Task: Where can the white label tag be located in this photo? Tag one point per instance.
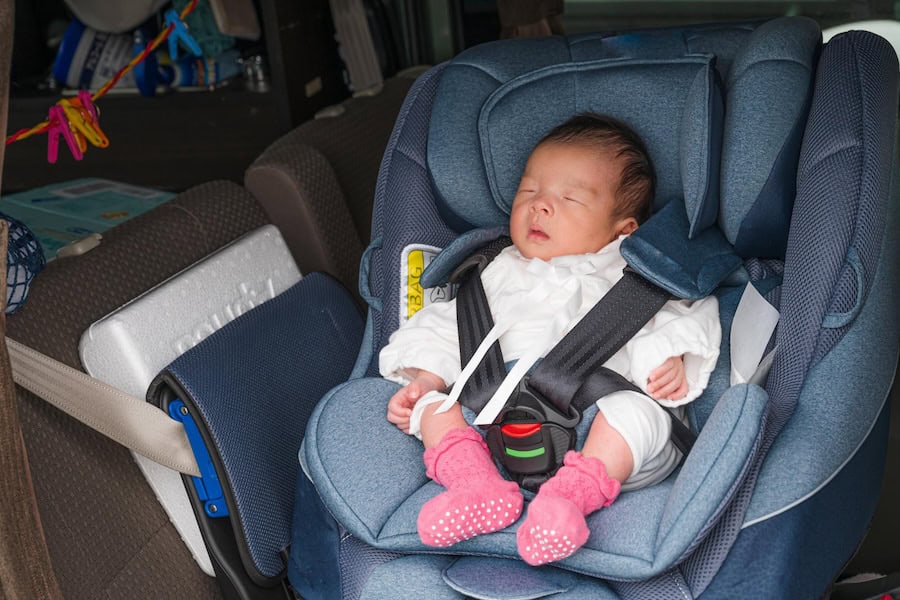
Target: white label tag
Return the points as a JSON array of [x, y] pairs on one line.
[[754, 321], [413, 297]]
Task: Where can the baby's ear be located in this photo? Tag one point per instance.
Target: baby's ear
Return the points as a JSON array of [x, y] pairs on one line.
[[626, 226]]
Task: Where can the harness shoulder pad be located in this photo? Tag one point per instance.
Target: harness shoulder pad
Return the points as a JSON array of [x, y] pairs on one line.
[[480, 259]]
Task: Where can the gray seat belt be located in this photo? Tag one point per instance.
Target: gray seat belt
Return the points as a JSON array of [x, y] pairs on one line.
[[128, 420]]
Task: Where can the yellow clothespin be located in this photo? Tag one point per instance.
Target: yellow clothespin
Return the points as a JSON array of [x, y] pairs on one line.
[[76, 123], [83, 117]]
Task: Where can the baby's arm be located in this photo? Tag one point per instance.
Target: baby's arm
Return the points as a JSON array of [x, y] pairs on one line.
[[682, 340], [668, 380], [401, 404]]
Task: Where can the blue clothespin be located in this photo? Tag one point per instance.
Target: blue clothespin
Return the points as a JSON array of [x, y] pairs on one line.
[[180, 32], [59, 124]]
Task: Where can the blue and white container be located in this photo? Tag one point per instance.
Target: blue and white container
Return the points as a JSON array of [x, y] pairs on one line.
[[87, 59]]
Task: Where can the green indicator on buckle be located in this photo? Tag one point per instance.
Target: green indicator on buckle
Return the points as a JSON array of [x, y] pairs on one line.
[[525, 453]]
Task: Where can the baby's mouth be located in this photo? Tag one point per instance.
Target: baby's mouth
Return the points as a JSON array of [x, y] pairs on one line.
[[537, 234]]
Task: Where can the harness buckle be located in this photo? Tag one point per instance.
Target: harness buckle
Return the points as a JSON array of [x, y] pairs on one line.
[[531, 436]]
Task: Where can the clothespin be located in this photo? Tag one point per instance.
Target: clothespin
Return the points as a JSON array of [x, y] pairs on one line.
[[59, 124], [82, 124], [84, 98], [85, 119], [75, 119], [180, 32]]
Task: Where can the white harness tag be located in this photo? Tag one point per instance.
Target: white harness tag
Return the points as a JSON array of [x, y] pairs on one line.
[[754, 321]]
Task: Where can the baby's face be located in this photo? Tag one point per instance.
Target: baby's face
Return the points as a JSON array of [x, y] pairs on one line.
[[565, 203]]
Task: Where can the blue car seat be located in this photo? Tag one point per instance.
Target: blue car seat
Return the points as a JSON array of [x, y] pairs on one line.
[[775, 158]]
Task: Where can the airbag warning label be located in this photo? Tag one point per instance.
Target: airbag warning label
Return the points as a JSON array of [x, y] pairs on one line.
[[413, 297]]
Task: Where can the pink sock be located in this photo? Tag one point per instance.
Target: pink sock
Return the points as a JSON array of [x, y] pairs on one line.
[[478, 500], [555, 527]]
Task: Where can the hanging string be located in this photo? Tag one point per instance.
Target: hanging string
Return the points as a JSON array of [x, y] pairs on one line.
[[153, 45]]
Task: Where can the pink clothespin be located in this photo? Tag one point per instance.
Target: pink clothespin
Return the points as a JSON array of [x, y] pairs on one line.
[[180, 32], [59, 124], [84, 97]]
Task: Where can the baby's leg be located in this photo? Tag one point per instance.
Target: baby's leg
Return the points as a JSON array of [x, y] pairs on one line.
[[478, 500], [607, 445]]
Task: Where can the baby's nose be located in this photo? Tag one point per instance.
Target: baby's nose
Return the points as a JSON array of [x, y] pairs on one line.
[[542, 204]]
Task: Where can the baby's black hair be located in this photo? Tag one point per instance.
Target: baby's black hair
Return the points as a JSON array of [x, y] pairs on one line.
[[605, 133]]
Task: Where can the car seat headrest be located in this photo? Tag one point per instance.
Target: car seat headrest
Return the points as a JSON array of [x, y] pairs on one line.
[[768, 93], [736, 170], [489, 113]]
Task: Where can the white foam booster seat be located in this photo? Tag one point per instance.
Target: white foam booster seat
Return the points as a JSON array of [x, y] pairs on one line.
[[238, 347]]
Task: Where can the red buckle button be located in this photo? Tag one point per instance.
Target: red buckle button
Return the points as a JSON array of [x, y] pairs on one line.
[[520, 429]]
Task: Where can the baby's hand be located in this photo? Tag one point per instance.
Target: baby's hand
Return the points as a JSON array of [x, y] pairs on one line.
[[667, 381], [401, 404]]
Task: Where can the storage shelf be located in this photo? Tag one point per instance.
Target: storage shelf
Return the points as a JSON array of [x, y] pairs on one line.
[[167, 142], [184, 138]]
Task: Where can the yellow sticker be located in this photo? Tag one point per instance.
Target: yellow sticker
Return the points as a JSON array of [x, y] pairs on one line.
[[413, 297], [415, 300]]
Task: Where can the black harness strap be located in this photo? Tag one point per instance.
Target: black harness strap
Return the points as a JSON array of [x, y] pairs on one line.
[[614, 320], [474, 322], [571, 376]]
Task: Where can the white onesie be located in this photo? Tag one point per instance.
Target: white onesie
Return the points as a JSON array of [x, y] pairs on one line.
[[527, 295]]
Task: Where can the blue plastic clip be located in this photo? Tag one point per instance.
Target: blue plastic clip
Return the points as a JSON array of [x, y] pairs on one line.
[[180, 32], [207, 485]]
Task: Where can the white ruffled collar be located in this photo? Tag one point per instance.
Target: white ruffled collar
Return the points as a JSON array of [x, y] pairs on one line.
[[563, 267]]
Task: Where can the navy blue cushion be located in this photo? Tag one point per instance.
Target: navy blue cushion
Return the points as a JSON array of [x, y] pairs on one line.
[[488, 115], [691, 269], [255, 383], [768, 90]]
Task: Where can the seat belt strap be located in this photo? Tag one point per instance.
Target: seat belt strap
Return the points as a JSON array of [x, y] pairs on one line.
[[121, 417], [614, 320], [474, 322]]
